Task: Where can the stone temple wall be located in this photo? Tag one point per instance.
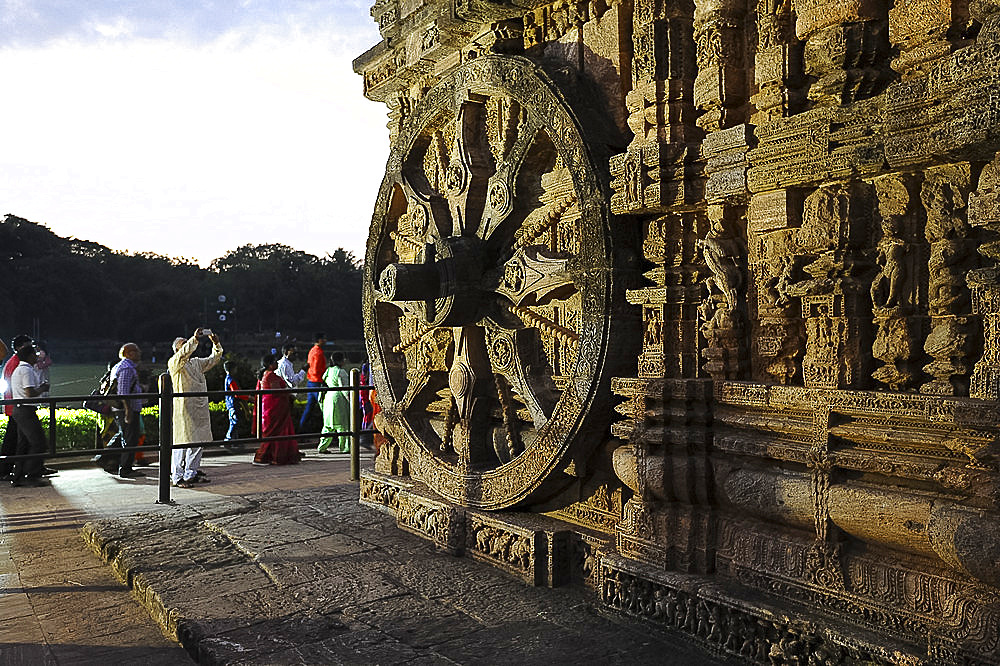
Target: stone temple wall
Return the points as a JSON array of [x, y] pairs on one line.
[[697, 303]]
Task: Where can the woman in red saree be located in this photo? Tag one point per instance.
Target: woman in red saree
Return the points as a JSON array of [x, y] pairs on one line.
[[275, 419]]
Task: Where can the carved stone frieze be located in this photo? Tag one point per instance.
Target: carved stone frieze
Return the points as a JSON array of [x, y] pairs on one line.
[[539, 550], [382, 492], [423, 514], [526, 552], [761, 632]]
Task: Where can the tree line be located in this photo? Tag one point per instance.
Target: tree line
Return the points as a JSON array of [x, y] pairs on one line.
[[78, 289]]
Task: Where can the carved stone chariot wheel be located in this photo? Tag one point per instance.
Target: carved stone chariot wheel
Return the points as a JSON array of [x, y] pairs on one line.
[[488, 287]]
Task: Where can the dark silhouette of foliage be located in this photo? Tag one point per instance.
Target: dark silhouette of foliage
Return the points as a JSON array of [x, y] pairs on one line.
[[79, 289]]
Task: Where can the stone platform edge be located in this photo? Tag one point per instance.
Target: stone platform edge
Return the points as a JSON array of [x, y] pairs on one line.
[[730, 621], [116, 542]]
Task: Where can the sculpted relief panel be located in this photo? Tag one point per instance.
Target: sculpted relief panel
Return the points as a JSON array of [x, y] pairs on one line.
[[713, 285]]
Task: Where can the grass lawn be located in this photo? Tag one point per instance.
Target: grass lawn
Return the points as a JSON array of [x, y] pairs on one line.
[[74, 379]]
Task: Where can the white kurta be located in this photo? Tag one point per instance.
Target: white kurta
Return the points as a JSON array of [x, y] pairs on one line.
[[191, 420], [287, 372]]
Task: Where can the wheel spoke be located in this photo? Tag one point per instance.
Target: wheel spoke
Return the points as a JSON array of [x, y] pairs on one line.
[[469, 168], [427, 212], [534, 272], [501, 189], [505, 348], [471, 382]]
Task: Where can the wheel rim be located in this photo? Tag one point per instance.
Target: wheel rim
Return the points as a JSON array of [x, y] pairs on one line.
[[487, 287]]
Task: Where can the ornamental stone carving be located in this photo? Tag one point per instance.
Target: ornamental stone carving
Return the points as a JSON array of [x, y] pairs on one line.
[[697, 304]]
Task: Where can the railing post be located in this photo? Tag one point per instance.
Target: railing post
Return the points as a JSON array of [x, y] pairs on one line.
[[52, 428], [166, 437], [258, 415], [355, 426]]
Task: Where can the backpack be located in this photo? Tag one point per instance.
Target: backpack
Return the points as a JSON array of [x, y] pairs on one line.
[[100, 400]]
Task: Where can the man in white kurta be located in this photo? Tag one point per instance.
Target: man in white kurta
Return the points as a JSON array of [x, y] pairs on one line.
[[191, 420], [285, 369]]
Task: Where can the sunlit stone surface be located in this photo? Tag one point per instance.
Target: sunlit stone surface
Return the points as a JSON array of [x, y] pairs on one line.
[[697, 304]]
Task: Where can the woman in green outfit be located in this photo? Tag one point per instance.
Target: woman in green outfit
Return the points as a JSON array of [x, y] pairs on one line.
[[336, 405]]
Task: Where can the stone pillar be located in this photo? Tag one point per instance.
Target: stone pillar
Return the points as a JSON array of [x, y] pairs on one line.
[[721, 93], [723, 309], [777, 340], [777, 63], [952, 254], [670, 305], [846, 50], [659, 170], [836, 222], [984, 211], [720, 90], [669, 522]]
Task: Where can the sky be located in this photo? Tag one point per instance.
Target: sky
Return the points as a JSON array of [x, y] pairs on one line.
[[190, 127]]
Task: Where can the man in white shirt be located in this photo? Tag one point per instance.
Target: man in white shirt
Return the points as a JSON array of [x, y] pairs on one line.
[[30, 438], [285, 369], [191, 420]]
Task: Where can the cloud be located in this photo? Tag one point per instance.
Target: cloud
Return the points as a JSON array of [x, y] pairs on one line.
[[260, 134], [36, 22]]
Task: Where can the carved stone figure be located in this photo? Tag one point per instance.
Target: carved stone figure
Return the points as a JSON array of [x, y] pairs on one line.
[[893, 291], [891, 278], [722, 254]]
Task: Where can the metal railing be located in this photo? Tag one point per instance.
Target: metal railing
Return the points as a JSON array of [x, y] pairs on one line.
[[165, 447]]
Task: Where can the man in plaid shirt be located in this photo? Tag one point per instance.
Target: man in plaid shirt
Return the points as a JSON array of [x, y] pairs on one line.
[[126, 418]]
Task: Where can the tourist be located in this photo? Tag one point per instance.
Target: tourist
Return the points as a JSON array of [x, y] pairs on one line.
[[30, 438], [42, 368], [10, 433], [146, 385], [275, 419], [285, 369], [125, 376], [366, 439], [378, 422], [314, 377], [191, 418], [234, 403], [336, 406]]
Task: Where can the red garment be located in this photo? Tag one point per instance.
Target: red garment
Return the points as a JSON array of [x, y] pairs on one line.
[[317, 364], [367, 414], [8, 370], [377, 437], [233, 386], [276, 420]]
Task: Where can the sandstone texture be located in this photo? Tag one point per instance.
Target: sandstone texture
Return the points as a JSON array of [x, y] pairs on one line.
[[310, 576], [710, 289]]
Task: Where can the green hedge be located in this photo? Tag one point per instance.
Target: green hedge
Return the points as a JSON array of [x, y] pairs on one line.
[[217, 414], [77, 428]]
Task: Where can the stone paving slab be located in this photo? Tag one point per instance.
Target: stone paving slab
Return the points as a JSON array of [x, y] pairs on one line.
[[309, 576], [60, 605], [276, 565]]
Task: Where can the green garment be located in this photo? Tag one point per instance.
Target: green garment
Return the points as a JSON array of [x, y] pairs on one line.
[[336, 409]]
